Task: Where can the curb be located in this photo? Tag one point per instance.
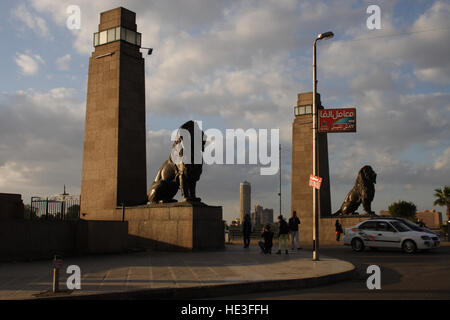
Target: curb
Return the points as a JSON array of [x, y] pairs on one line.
[[212, 291]]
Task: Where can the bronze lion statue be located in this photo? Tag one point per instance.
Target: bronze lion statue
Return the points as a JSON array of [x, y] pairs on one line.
[[362, 192], [183, 168]]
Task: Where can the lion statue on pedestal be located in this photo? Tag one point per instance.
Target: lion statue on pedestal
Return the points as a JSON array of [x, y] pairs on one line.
[[183, 168], [362, 192]]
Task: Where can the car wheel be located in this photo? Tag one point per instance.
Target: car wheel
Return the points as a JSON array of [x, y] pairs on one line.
[[357, 245], [409, 246]]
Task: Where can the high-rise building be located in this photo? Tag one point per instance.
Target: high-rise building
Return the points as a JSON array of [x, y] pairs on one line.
[[262, 216], [245, 195]]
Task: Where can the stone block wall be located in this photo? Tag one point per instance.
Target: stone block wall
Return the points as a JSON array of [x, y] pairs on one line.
[[175, 226]]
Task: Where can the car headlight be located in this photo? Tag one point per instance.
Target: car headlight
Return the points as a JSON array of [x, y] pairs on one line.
[[425, 238]]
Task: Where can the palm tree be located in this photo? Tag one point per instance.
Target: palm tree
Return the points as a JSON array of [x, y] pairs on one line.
[[443, 199]]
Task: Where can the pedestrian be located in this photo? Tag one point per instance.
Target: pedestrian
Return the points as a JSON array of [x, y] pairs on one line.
[[338, 230], [267, 235], [294, 221], [420, 223], [247, 230], [283, 234]]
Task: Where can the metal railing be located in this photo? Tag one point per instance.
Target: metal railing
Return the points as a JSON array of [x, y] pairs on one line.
[[55, 208]]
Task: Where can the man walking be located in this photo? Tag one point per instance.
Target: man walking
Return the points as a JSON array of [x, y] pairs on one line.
[[283, 234], [294, 221]]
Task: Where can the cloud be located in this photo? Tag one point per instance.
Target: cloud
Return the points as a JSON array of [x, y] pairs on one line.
[[242, 63], [37, 24], [62, 63], [42, 141], [443, 161], [28, 63]]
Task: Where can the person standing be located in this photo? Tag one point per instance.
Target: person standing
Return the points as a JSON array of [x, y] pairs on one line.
[[247, 230], [338, 230], [294, 221], [283, 234]]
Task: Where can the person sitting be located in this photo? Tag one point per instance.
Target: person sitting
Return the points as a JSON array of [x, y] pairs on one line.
[[267, 235]]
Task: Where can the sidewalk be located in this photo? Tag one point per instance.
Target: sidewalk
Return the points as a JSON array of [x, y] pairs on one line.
[[153, 275]]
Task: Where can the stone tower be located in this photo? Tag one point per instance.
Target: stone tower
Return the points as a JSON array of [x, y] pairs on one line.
[[114, 158], [302, 193], [245, 195]]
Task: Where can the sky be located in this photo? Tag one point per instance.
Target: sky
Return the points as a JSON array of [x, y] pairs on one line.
[[237, 64]]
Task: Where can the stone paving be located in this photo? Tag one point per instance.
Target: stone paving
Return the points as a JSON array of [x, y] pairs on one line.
[[157, 270]]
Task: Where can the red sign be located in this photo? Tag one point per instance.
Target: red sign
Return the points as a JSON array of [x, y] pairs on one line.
[[315, 181], [337, 120]]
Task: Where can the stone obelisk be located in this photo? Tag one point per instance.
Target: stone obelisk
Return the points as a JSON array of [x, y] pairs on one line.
[[302, 148], [114, 158]]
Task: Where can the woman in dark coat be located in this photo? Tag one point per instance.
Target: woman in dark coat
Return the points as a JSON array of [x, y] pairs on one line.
[[247, 230], [338, 230]]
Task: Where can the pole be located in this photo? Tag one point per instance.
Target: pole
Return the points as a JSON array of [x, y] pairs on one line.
[[55, 284], [279, 150], [46, 209], [315, 215]]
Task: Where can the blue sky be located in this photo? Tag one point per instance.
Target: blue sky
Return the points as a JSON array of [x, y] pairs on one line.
[[237, 64]]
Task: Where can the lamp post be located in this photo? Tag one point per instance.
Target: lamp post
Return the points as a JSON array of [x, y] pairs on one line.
[[322, 36], [279, 159]]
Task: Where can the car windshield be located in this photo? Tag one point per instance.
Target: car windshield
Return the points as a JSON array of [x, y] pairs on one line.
[[412, 225], [401, 227]]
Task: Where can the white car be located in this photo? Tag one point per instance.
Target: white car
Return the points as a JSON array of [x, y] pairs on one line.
[[389, 233]]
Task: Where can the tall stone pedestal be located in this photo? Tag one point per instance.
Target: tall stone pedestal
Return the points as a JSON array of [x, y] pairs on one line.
[[114, 157], [174, 226]]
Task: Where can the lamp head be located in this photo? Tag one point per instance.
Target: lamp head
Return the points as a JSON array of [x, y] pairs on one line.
[[326, 35], [150, 50]]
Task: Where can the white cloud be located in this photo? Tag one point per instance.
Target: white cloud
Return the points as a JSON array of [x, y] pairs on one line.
[[62, 63], [437, 75], [443, 161], [42, 141], [28, 63], [37, 24]]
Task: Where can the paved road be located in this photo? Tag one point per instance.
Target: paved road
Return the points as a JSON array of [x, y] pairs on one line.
[[424, 275]]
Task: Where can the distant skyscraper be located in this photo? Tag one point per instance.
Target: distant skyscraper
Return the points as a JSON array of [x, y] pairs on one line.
[[262, 216], [245, 195]]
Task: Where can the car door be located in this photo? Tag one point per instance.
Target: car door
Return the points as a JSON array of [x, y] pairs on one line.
[[368, 232], [387, 236]]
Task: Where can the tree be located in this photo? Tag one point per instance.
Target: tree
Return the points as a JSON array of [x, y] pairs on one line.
[[443, 199], [403, 209]]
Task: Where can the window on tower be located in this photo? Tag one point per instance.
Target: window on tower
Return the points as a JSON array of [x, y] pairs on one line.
[[301, 110], [116, 34]]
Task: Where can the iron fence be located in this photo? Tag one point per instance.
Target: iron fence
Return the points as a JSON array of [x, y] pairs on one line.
[[55, 208]]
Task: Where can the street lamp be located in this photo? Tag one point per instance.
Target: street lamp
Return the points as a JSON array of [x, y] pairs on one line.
[[149, 52], [322, 36]]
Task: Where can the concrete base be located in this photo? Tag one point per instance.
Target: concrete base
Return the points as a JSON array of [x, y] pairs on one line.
[[327, 230], [174, 226], [101, 236], [30, 239]]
